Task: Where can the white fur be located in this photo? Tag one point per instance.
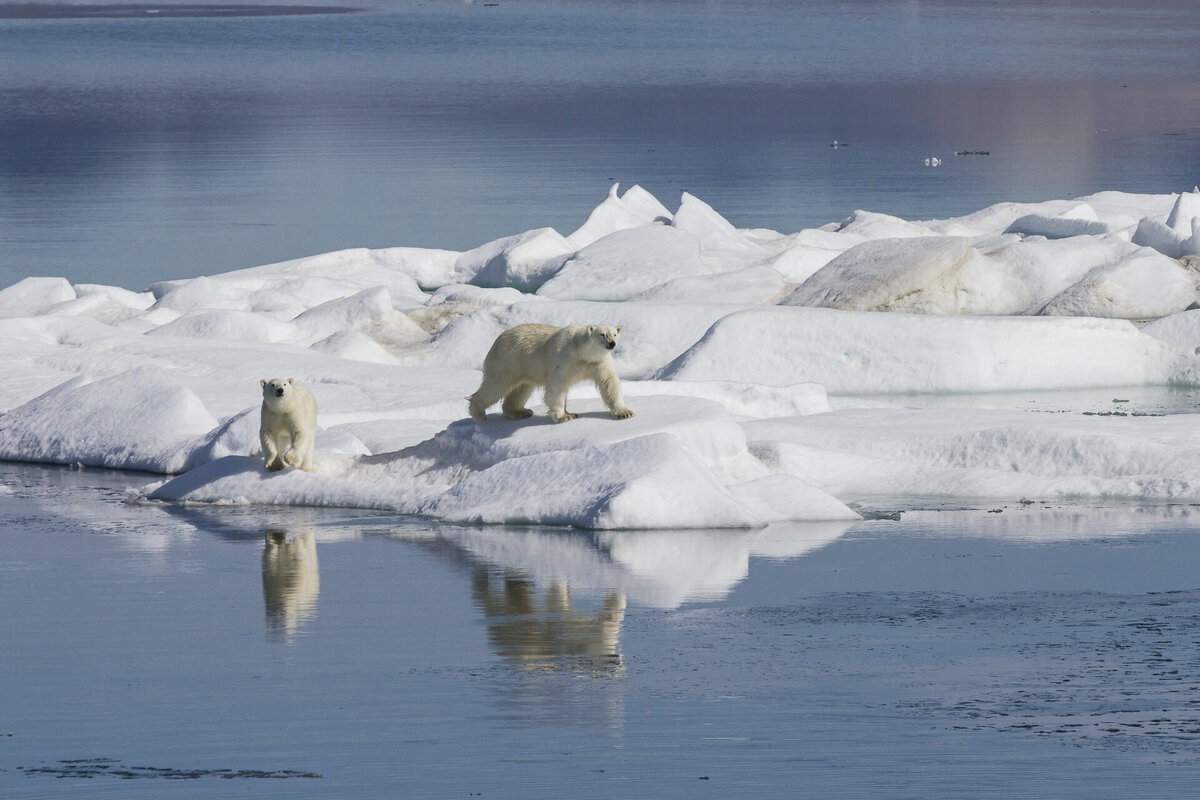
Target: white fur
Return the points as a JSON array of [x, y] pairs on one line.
[[289, 419], [530, 356]]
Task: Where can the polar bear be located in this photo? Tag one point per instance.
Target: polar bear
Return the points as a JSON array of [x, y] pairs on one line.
[[532, 355], [289, 417]]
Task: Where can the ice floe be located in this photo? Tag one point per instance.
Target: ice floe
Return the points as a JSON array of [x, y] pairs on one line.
[[775, 376]]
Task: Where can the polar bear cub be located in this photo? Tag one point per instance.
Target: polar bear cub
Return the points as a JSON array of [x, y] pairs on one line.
[[532, 355], [289, 418]]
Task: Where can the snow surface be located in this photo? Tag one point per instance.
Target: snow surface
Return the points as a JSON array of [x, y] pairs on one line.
[[774, 377]]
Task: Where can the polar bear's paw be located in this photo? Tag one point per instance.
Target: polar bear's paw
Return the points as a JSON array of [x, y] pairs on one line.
[[622, 412], [522, 413], [564, 416]]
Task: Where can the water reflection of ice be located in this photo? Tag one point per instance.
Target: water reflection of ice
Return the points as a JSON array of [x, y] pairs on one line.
[[662, 569]]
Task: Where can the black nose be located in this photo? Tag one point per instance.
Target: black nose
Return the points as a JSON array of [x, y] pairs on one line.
[[279, 392], [611, 345]]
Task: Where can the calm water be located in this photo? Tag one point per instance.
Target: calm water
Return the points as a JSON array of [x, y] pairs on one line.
[[153, 652], [134, 150]]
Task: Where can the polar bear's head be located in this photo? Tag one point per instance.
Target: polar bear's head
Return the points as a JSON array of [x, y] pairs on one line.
[[603, 337], [277, 390]]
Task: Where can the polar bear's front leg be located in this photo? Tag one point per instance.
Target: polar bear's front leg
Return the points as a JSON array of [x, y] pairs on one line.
[[301, 454], [556, 399], [610, 390], [270, 452]]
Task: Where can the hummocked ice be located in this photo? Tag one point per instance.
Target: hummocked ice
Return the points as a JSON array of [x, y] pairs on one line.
[[774, 376]]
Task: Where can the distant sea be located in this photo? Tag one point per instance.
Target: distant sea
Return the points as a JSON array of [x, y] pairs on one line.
[[170, 141]]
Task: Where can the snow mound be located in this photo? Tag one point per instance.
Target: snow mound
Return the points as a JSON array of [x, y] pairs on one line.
[[862, 352], [136, 420]]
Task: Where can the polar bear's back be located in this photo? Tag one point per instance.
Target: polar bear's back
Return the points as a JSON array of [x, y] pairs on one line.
[[520, 342]]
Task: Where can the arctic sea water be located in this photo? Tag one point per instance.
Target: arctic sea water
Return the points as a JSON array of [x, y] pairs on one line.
[[138, 150]]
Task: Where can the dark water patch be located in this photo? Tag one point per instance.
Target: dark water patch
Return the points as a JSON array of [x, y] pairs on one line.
[[148, 11], [88, 768]]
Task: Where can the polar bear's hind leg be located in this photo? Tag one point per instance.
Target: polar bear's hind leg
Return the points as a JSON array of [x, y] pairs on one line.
[[514, 404], [489, 393]]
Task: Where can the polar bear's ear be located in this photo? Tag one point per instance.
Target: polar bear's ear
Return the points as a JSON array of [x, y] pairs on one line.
[[291, 380], [618, 329], [591, 328], [263, 383]]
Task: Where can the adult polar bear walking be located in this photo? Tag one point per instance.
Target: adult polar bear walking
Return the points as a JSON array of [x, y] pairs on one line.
[[532, 355], [289, 417]]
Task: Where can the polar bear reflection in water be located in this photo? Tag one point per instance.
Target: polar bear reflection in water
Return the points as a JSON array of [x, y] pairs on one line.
[[542, 632], [291, 582]]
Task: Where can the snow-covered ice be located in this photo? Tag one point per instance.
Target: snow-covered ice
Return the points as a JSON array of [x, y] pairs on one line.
[[774, 376]]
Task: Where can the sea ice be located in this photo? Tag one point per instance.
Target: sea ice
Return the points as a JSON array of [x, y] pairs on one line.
[[774, 376]]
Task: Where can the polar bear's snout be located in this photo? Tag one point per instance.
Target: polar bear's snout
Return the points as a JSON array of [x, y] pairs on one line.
[[610, 344], [279, 391]]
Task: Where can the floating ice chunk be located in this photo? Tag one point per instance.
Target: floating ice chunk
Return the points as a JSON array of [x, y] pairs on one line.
[[861, 352], [928, 275], [1145, 285], [636, 209], [31, 295], [742, 433], [625, 263], [138, 420]]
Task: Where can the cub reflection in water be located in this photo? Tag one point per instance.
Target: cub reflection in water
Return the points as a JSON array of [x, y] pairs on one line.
[[291, 581], [542, 632]]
